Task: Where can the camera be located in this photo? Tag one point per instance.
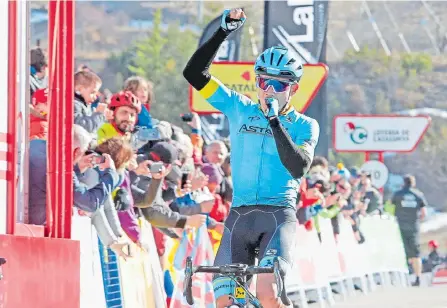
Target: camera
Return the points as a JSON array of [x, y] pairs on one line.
[[156, 167], [98, 160], [187, 117], [147, 134]]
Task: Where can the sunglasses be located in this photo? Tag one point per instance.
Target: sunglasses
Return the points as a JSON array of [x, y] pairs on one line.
[[277, 85]]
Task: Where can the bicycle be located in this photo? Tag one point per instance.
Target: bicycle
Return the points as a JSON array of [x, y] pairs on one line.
[[238, 274]]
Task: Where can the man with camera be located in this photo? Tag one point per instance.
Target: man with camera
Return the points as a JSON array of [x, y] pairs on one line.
[[85, 199], [163, 155]]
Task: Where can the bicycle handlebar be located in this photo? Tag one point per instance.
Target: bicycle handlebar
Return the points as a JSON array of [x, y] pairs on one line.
[[238, 270]]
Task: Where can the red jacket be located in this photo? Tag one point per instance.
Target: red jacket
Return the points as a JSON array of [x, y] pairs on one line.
[[220, 210], [38, 128], [306, 202]]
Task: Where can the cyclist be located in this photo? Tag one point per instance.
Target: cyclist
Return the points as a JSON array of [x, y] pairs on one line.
[[272, 148]]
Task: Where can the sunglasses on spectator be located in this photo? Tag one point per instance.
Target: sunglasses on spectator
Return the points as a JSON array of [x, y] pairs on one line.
[[277, 85]]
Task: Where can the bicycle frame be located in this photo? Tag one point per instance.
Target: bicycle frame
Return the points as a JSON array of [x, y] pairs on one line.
[[238, 274], [241, 293]]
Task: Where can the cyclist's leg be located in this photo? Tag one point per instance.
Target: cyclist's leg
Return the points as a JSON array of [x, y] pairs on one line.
[[235, 247], [277, 242]]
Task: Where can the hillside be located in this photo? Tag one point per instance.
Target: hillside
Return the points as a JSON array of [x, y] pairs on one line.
[[411, 19], [373, 83]]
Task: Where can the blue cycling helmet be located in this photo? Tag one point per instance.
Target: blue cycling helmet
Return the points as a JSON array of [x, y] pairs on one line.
[[278, 61]]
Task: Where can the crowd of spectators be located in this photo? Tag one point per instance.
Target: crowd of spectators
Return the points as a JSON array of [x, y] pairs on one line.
[[129, 165], [331, 192]]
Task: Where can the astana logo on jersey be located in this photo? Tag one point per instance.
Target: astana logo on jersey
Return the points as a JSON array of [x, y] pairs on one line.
[[253, 129], [357, 134]]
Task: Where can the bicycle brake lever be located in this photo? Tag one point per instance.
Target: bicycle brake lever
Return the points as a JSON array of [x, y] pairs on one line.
[[280, 282], [278, 277], [284, 298]]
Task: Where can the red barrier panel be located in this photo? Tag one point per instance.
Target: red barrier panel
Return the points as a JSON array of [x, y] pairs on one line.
[[440, 277], [40, 272]]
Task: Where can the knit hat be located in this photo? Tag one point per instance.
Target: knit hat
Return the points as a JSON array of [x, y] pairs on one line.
[[213, 172]]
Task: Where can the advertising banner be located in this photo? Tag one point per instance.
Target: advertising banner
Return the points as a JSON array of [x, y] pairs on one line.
[[378, 133]]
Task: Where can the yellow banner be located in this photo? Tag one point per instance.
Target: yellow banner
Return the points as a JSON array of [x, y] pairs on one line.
[[240, 77]]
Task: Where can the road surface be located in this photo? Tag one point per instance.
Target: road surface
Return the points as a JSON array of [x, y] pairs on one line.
[[397, 297]]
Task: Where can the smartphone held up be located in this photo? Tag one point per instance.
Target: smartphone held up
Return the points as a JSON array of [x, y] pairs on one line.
[[186, 117], [98, 160], [185, 177]]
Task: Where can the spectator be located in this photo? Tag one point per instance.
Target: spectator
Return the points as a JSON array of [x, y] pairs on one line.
[[226, 188], [343, 188], [354, 180], [319, 165], [339, 197], [216, 152], [84, 198], [39, 124], [196, 139], [371, 196], [38, 70], [343, 171], [87, 85], [37, 181], [147, 137], [105, 219], [160, 215], [220, 210], [313, 189], [144, 91], [434, 258], [410, 210], [125, 108], [320, 161], [100, 98], [227, 143], [84, 68], [165, 130], [353, 217], [147, 192], [146, 187], [122, 153], [356, 201]]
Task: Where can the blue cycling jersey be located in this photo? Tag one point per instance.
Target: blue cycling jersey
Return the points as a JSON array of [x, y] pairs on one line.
[[259, 177]]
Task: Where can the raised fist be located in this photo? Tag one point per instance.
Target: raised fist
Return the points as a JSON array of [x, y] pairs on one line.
[[232, 20]]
